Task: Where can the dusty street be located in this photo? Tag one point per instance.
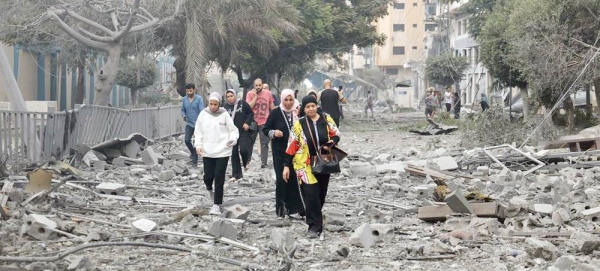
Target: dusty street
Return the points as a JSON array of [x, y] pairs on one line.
[[371, 222]]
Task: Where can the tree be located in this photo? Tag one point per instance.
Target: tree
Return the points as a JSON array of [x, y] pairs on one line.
[[136, 74], [446, 69], [553, 43], [124, 21]]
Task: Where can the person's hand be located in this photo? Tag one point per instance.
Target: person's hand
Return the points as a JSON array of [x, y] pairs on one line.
[[199, 151], [326, 147], [245, 127], [230, 143], [255, 93], [278, 133], [286, 174]]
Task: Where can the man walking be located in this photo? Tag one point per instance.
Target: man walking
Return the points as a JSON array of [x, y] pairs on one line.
[[369, 104], [330, 101], [262, 103], [191, 107]]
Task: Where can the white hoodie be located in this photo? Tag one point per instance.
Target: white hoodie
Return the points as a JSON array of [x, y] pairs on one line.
[[213, 131]]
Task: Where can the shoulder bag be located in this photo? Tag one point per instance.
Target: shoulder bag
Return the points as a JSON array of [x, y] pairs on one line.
[[322, 163]]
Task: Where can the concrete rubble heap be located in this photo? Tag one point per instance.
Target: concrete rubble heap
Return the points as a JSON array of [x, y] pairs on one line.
[[402, 201]]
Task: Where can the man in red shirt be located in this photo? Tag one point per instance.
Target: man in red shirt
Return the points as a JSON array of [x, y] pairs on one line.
[[262, 103]]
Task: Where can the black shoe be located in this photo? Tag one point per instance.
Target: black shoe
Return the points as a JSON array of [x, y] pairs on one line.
[[312, 234], [263, 166]]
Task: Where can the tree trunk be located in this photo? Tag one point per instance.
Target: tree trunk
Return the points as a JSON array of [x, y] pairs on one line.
[[588, 101], [597, 91], [80, 79], [133, 93], [105, 77], [525, 98], [570, 110], [179, 66]]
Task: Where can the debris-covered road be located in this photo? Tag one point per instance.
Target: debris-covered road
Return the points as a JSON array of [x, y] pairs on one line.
[[402, 202]]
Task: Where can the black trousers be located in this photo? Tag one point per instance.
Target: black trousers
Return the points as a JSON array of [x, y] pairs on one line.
[[189, 132], [214, 172], [287, 195], [337, 121], [448, 107], [484, 106], [313, 196], [243, 148]]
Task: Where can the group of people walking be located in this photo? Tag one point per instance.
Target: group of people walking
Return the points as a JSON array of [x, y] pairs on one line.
[[296, 132]]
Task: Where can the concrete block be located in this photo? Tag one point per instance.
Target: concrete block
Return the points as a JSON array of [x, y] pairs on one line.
[[391, 187], [112, 153], [336, 218], [541, 249], [446, 163], [383, 232], [458, 203], [100, 165], [283, 240], [222, 228], [144, 225], [166, 175], [560, 216], [131, 149], [545, 209], [565, 262], [119, 162], [585, 242], [89, 158], [149, 157], [179, 167], [111, 188], [422, 191], [237, 211], [592, 214], [79, 263], [384, 157], [168, 163], [363, 237], [38, 226]]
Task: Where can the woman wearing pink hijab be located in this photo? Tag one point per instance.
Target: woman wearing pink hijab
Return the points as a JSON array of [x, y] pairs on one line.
[[278, 126]]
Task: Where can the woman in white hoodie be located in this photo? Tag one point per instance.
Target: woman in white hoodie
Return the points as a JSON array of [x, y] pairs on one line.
[[215, 136]]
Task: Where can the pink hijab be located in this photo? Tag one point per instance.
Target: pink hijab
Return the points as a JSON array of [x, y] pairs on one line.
[[288, 92]]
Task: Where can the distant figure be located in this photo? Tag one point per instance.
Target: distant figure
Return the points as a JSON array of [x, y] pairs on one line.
[[341, 105], [330, 101], [262, 103], [448, 98], [431, 105], [275, 98], [457, 105], [369, 104], [484, 102]]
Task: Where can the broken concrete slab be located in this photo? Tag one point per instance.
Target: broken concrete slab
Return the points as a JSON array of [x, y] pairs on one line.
[[335, 218], [282, 239], [458, 203], [363, 236], [440, 212], [119, 162], [90, 157], [541, 249], [166, 175], [39, 180], [99, 165], [149, 157], [179, 167], [38, 227], [131, 149], [592, 214], [383, 232], [222, 228], [361, 169], [111, 188], [79, 263], [144, 225], [112, 153], [237, 211], [585, 242], [545, 209], [445, 163]]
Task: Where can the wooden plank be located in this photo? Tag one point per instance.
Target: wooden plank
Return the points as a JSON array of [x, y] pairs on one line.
[[440, 212]]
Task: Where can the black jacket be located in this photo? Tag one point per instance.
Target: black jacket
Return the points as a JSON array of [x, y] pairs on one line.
[[244, 114]]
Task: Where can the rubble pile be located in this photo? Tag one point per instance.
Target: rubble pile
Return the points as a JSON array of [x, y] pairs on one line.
[[403, 201]]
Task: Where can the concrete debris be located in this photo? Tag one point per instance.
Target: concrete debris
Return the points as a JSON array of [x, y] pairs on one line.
[[363, 236], [144, 225], [402, 201]]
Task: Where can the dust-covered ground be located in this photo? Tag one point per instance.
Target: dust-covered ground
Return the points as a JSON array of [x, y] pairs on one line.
[[373, 192]]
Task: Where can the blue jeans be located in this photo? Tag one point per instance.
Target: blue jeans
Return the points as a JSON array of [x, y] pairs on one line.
[[189, 132]]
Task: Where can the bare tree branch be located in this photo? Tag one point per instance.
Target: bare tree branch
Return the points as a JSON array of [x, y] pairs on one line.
[[129, 25], [84, 20], [94, 36], [115, 20], [74, 34], [585, 44], [103, 11], [144, 26]]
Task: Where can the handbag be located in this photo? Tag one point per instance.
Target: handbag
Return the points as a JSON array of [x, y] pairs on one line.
[[326, 163]]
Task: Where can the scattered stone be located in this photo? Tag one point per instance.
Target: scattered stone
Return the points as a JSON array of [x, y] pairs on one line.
[[222, 228], [541, 249], [111, 188], [283, 240], [38, 227], [336, 218], [131, 149], [585, 242], [166, 175], [457, 203], [237, 211], [363, 237], [79, 263], [149, 157], [144, 225]]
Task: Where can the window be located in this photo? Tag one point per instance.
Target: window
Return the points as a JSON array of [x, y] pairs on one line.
[[391, 71], [414, 4], [414, 25], [398, 5], [414, 47], [459, 28], [398, 27], [398, 50], [430, 27]]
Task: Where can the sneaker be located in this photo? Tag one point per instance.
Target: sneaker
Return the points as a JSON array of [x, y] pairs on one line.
[[215, 210], [263, 166], [232, 179], [312, 234]]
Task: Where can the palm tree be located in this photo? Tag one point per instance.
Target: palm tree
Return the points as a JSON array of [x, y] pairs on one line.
[[216, 31]]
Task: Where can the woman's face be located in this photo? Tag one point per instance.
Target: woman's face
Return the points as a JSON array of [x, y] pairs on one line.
[[230, 97], [213, 106], [310, 110], [288, 102]]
